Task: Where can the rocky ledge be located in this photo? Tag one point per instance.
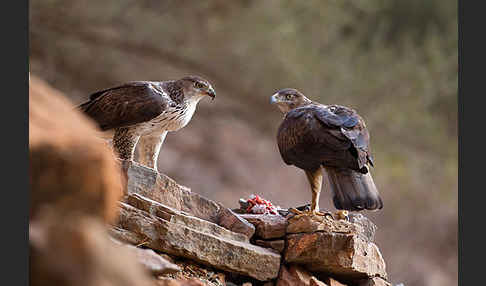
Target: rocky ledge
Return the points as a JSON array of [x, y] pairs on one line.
[[162, 233], [243, 249]]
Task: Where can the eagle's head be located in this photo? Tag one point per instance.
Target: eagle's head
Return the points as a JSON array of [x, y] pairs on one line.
[[196, 87], [288, 98]]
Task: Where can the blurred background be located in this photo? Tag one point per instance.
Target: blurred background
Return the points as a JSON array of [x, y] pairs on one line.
[[395, 61]]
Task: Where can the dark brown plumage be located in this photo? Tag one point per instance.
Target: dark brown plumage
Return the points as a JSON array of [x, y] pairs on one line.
[[335, 137], [146, 108]]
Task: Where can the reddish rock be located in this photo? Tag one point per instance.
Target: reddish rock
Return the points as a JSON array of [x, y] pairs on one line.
[[333, 282], [70, 169], [230, 220], [314, 282], [72, 250], [179, 282], [267, 226], [278, 245], [293, 276], [336, 254], [357, 224]]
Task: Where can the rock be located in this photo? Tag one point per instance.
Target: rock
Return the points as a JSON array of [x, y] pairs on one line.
[[160, 188], [278, 245], [267, 226], [192, 282], [293, 276], [358, 224], [374, 281], [210, 249], [179, 282], [175, 216], [153, 262], [366, 228], [338, 254], [332, 282], [73, 250], [124, 235], [70, 168], [309, 224], [269, 283], [314, 282], [230, 220]]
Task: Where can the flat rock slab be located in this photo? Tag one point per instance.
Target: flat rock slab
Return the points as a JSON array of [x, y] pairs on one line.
[[278, 245], [313, 223], [358, 224], [162, 189], [232, 221], [153, 262], [333, 282], [267, 226], [293, 276], [178, 217], [337, 254], [366, 228], [159, 187], [297, 276], [189, 241]]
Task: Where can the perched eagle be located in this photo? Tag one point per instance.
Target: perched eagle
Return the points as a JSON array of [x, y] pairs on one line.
[[148, 109], [313, 136]]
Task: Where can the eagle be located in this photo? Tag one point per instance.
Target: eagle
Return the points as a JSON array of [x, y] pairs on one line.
[[327, 140], [146, 108]]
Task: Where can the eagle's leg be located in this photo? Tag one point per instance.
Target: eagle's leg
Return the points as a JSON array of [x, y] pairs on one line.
[[124, 142], [149, 147], [315, 181]]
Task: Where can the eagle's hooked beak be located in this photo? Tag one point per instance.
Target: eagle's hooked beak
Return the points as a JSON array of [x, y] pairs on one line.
[[211, 93], [274, 99]]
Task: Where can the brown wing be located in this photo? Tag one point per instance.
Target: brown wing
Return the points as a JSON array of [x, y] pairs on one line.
[[125, 105], [333, 136]]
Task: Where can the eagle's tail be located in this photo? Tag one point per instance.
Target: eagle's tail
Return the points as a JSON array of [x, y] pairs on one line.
[[352, 191]]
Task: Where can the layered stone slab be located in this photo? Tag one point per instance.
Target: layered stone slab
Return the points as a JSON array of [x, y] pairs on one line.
[[160, 188], [267, 226], [178, 217], [278, 244], [357, 224], [199, 242], [338, 254], [232, 221]]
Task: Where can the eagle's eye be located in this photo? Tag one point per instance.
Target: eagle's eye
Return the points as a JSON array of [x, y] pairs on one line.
[[288, 96], [198, 84]]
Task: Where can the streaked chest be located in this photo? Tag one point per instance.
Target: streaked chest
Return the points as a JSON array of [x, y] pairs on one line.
[[172, 119]]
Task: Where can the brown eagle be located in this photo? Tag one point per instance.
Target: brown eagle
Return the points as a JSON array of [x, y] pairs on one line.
[[313, 137], [148, 109]]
